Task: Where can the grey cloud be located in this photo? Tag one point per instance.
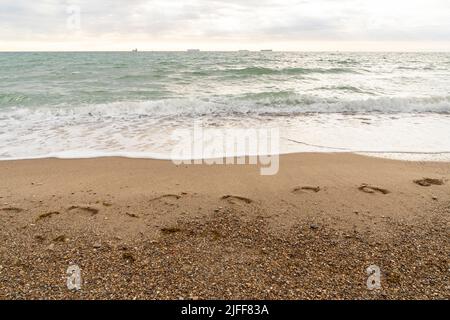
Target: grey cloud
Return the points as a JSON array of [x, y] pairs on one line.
[[289, 20]]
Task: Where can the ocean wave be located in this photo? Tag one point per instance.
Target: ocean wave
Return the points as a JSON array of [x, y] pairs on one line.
[[7, 98], [347, 88], [134, 77], [292, 103], [257, 71], [264, 71], [258, 104]]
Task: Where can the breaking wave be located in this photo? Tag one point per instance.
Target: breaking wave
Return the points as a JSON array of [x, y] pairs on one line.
[[258, 104], [258, 71]]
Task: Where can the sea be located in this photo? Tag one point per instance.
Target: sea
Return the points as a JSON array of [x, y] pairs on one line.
[[92, 104]]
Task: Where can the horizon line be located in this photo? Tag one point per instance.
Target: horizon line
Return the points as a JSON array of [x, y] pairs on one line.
[[236, 50]]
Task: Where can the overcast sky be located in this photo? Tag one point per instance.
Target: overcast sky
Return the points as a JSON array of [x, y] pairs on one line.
[[225, 25]]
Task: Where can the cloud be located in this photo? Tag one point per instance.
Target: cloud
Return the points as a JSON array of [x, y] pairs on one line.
[[228, 20]]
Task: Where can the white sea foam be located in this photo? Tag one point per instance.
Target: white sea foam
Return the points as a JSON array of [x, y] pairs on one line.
[[124, 131]]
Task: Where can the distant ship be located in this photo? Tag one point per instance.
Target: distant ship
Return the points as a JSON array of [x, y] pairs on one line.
[[243, 50], [193, 50], [134, 50], [266, 50]]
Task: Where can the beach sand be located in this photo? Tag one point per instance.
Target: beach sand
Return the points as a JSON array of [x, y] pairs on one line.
[[148, 229]]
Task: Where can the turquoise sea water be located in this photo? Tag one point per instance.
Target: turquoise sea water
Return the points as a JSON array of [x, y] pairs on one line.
[[88, 104]]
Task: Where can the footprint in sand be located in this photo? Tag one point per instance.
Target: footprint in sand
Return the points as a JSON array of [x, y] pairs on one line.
[[236, 199], [168, 199], [372, 189], [85, 209], [47, 215], [12, 209], [306, 188], [166, 196], [427, 182]]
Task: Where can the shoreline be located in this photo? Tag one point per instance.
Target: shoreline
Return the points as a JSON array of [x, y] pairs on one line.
[[148, 229], [140, 156]]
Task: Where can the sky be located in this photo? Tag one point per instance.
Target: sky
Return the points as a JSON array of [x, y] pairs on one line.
[[292, 25]]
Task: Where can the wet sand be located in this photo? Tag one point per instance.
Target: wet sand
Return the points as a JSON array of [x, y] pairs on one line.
[[148, 229]]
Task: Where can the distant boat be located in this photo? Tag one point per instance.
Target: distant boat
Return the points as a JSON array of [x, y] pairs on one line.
[[243, 50], [267, 50], [193, 50], [134, 50]]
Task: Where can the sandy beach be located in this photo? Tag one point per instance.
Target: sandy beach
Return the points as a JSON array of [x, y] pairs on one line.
[[148, 229]]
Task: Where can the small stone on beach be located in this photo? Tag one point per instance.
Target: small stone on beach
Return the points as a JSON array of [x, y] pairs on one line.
[[97, 245]]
